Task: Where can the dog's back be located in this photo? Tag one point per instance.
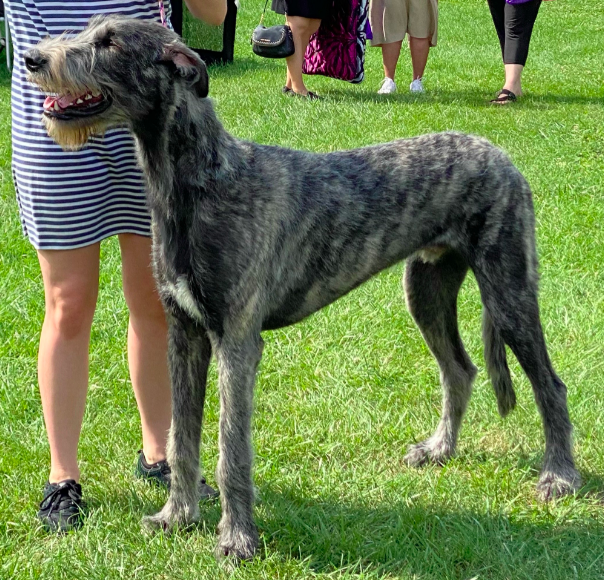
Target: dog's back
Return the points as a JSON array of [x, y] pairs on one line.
[[330, 221]]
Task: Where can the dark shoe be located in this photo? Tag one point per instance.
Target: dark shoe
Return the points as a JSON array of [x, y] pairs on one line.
[[310, 96], [286, 90], [504, 97], [61, 508], [161, 474]]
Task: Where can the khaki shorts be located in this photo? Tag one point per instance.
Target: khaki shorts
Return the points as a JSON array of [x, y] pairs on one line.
[[391, 19]]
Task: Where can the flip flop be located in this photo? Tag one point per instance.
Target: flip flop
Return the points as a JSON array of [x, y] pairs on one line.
[[310, 96], [504, 97]]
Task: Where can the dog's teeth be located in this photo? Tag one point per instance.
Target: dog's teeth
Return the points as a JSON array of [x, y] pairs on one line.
[[96, 93], [79, 102], [56, 107], [88, 97]]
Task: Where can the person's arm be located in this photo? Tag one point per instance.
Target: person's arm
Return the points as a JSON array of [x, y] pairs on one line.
[[210, 11]]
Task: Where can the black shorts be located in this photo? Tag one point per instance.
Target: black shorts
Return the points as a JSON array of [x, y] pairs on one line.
[[306, 8]]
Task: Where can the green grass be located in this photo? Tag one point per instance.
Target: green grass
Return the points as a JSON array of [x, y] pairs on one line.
[[341, 395], [201, 35]]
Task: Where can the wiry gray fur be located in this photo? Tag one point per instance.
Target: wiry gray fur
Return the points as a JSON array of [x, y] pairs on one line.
[[249, 237]]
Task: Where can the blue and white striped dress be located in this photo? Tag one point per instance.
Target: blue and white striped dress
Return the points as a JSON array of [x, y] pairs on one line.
[[70, 199]]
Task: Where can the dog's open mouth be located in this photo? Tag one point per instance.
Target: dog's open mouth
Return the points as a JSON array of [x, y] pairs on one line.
[[75, 107]]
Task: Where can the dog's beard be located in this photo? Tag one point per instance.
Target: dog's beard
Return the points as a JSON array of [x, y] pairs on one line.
[[72, 135]]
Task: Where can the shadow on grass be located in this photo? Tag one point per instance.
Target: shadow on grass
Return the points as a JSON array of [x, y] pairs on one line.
[[144, 499], [409, 539], [592, 485], [474, 98], [428, 542], [243, 66]]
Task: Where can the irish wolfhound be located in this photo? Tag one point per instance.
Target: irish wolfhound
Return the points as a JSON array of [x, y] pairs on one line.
[[249, 237]]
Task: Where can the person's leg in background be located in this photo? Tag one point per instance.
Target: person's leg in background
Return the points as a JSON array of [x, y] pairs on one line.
[[420, 48], [497, 8], [519, 22], [388, 20], [390, 54], [147, 345], [422, 26], [302, 29], [514, 24]]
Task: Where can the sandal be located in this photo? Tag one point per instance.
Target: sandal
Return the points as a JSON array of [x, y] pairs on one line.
[[310, 95], [504, 97], [286, 90]]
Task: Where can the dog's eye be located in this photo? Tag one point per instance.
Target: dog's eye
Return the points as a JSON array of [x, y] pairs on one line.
[[106, 42]]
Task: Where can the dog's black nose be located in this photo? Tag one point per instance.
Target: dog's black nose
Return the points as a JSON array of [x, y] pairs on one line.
[[34, 60]]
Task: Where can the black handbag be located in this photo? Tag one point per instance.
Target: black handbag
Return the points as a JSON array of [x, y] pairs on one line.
[[272, 42]]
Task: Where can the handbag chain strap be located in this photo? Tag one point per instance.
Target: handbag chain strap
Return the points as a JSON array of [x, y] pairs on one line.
[[262, 17], [263, 12]]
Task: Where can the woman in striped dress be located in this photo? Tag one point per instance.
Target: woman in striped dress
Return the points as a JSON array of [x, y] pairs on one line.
[[69, 202]]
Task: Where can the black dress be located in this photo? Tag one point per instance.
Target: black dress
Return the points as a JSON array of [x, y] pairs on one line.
[[305, 8]]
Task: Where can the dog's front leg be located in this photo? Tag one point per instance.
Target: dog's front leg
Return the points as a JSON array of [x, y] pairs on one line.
[[189, 353], [237, 363]]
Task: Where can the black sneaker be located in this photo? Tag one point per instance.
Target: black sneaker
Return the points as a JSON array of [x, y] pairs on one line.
[[61, 508], [161, 474]]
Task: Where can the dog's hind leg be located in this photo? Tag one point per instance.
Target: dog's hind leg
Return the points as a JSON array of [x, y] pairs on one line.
[[189, 353], [237, 362], [431, 291], [507, 278]]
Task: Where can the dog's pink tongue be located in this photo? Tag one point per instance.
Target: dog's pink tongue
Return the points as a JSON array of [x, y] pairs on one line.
[[49, 102], [63, 101], [66, 100]]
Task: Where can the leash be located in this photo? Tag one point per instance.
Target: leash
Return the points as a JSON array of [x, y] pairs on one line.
[[162, 13]]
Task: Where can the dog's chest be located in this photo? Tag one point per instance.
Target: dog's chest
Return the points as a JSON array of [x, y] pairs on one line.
[[180, 292], [173, 266], [191, 276]]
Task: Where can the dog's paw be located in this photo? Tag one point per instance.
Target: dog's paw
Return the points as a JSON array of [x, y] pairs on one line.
[[171, 517], [236, 544], [553, 485], [427, 452]]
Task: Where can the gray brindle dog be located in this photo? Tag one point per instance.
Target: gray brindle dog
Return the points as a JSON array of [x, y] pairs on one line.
[[250, 238]]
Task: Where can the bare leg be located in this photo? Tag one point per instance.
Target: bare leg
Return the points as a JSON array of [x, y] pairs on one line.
[[420, 48], [302, 29], [513, 78], [237, 362], [71, 279], [390, 55], [189, 357], [147, 345], [432, 290]]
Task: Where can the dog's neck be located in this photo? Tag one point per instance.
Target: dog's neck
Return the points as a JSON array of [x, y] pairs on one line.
[[182, 150]]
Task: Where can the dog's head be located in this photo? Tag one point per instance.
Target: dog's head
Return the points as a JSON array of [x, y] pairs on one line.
[[117, 71]]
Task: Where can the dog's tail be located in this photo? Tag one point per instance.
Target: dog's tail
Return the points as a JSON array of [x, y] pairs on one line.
[[497, 365]]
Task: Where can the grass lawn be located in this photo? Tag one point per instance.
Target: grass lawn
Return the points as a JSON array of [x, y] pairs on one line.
[[340, 396]]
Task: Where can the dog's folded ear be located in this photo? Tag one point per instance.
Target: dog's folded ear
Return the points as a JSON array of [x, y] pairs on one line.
[[188, 65]]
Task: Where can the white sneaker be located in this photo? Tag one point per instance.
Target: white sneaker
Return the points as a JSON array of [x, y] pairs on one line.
[[416, 86], [388, 86]]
